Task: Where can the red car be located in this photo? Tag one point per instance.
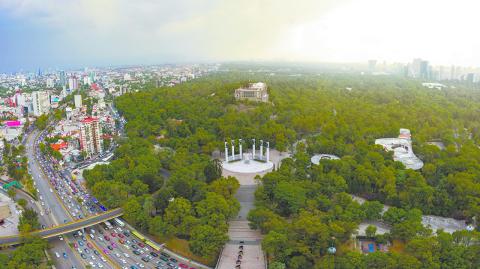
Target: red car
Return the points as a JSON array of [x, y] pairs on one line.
[[184, 266], [75, 245], [89, 245], [121, 241], [113, 234], [121, 235], [106, 237], [141, 244]]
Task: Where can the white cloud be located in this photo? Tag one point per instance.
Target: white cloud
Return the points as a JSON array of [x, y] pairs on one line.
[[342, 30]]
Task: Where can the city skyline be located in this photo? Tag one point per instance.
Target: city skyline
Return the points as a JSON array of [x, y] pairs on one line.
[[71, 34]]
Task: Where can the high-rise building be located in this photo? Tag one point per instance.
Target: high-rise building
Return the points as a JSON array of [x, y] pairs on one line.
[[50, 83], [78, 100], [91, 136], [40, 102], [73, 83], [63, 78], [372, 65]]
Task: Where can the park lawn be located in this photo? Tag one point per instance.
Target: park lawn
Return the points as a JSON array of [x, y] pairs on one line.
[[180, 246]]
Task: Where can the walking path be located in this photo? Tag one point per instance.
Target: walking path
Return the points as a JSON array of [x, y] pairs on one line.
[[244, 240]]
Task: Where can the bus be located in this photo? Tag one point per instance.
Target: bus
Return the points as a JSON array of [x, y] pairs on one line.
[[119, 222], [137, 234], [152, 245]]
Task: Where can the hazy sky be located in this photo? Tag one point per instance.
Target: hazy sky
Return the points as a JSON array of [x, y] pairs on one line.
[[63, 33]]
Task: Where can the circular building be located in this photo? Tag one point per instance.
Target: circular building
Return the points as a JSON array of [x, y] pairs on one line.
[[318, 157]]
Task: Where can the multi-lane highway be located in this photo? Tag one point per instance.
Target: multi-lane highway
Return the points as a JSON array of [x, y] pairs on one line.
[[63, 200]]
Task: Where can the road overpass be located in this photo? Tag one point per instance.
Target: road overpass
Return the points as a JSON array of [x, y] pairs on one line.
[[65, 228]]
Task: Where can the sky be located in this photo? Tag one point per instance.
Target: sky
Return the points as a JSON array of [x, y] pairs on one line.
[[74, 33]]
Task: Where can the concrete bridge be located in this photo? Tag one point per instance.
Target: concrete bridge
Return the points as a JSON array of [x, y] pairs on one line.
[[65, 228]]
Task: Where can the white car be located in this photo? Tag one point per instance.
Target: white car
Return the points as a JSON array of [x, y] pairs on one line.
[[126, 255], [56, 254], [124, 261], [92, 236], [118, 255], [100, 265], [103, 259]]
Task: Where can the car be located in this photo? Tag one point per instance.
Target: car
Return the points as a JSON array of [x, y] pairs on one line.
[[165, 259], [110, 247], [86, 250], [121, 241], [126, 255], [80, 242], [79, 250], [114, 245], [171, 265], [89, 245], [75, 245], [127, 234], [92, 236], [83, 256], [103, 259], [56, 254], [107, 237], [134, 246], [141, 265], [113, 234], [100, 265], [65, 255], [136, 252], [173, 260], [92, 264], [164, 254], [145, 259], [60, 237], [121, 235], [123, 261], [118, 255], [100, 231], [106, 251], [154, 254], [93, 257], [134, 241], [96, 252], [141, 244], [133, 267], [183, 266]]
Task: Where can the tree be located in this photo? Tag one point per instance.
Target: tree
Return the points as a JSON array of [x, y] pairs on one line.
[[372, 210], [207, 241], [12, 192], [134, 214], [22, 202], [42, 122], [28, 221], [225, 186], [370, 231], [213, 170]]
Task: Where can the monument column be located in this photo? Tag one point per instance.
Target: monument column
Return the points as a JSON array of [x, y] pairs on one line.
[[233, 150], [253, 149], [226, 152], [268, 152], [241, 153], [261, 149]]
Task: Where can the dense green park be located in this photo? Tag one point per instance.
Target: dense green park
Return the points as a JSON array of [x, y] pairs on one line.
[[302, 209]]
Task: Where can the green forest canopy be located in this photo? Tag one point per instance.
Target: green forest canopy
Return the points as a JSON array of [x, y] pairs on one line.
[[195, 118]]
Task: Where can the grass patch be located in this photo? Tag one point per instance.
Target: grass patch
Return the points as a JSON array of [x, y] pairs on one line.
[[180, 246]]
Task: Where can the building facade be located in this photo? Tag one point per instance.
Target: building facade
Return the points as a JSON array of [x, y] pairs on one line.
[[40, 102], [254, 92], [91, 136]]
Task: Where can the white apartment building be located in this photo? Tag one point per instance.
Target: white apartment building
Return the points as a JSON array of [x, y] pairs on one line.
[[40, 102], [78, 101], [91, 136]]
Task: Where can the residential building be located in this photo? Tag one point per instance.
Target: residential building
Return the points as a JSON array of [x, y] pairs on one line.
[[40, 102], [78, 101], [91, 136]]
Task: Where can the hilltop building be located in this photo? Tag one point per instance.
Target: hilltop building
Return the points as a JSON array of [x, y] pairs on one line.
[[254, 92]]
